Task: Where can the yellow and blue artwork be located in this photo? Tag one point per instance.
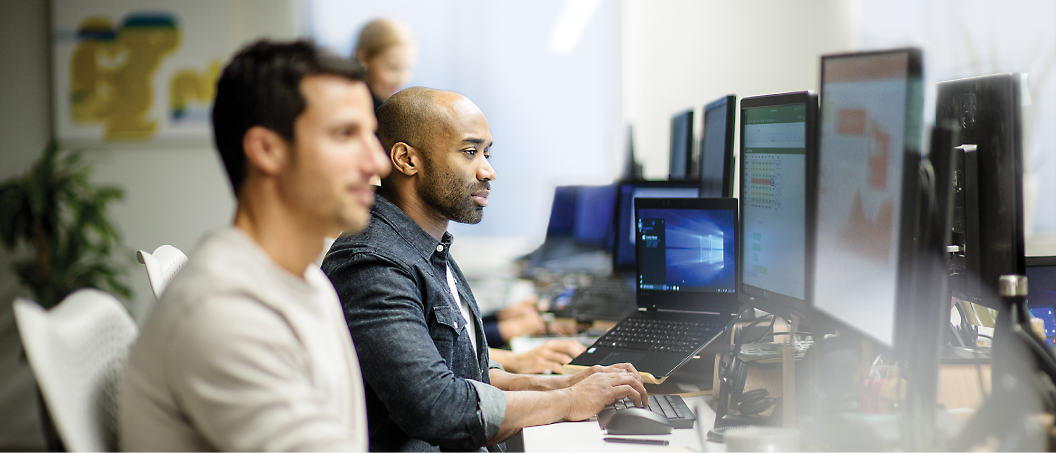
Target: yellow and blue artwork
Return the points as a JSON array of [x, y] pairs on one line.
[[142, 71]]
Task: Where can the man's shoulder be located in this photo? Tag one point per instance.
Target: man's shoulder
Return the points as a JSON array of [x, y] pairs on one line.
[[380, 241], [227, 272]]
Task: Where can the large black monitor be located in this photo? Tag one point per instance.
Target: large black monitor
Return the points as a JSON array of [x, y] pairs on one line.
[[681, 162], [863, 200], [716, 160], [777, 141], [987, 109], [624, 252]]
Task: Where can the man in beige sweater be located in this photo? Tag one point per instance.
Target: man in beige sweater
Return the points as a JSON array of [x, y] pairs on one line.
[[247, 349]]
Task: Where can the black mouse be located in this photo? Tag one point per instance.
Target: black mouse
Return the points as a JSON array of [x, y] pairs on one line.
[[636, 420]]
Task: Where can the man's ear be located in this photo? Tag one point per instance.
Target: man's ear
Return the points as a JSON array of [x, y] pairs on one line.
[[265, 150], [361, 58], [405, 158]]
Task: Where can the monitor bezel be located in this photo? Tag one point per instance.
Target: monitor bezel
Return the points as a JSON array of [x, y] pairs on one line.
[[904, 295], [780, 304], [728, 102], [726, 303], [1040, 261]]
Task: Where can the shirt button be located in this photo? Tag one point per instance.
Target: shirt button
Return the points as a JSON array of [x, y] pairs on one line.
[[440, 247]]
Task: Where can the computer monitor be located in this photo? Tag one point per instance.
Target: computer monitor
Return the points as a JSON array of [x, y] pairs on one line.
[[681, 146], [583, 213], [777, 140], [632, 170], [592, 225], [562, 212], [863, 199], [624, 252], [716, 160], [990, 201], [1041, 297]]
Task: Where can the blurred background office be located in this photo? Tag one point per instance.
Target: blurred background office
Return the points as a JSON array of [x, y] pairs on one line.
[[559, 80]]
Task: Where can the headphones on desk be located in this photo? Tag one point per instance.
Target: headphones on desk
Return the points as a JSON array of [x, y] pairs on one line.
[[735, 375]]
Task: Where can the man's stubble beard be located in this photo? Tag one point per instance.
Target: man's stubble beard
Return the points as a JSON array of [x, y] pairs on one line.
[[444, 192]]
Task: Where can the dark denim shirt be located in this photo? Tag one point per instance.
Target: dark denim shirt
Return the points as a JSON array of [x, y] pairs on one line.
[[425, 385]]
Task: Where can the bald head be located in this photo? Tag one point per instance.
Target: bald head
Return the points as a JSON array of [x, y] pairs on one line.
[[439, 144], [411, 116]]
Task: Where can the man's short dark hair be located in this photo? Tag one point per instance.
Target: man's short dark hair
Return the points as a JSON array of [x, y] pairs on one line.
[[261, 86]]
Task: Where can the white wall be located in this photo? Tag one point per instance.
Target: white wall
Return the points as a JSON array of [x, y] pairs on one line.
[[555, 117], [680, 54], [24, 130]]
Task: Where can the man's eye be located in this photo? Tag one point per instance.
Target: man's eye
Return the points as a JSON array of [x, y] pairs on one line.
[[344, 132], [470, 152]]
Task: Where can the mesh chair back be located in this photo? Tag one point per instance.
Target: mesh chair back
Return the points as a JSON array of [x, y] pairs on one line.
[[77, 352], [162, 266]]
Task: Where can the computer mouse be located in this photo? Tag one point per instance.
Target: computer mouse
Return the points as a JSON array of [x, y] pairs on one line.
[[636, 420]]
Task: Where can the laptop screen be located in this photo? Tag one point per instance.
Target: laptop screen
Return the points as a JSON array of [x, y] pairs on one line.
[[687, 247], [1041, 296]]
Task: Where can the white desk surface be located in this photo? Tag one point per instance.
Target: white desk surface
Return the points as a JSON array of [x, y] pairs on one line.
[[588, 436]]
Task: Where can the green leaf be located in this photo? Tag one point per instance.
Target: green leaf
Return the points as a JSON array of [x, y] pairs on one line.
[[55, 210]]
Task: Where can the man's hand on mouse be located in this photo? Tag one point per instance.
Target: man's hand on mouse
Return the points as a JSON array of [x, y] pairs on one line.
[[598, 386]]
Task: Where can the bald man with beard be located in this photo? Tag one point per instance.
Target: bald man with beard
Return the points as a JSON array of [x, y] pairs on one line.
[[429, 383]]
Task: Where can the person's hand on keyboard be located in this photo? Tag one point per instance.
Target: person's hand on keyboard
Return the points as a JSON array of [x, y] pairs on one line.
[[599, 386]]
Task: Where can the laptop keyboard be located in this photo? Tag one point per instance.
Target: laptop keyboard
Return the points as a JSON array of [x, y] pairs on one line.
[[660, 335], [671, 406]]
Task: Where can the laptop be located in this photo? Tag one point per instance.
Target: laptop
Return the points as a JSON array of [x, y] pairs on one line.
[[1041, 297], [686, 294]]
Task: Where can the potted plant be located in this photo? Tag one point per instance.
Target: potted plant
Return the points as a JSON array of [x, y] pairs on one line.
[[56, 212]]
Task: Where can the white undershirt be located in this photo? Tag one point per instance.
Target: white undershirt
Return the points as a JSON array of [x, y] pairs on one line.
[[471, 327]]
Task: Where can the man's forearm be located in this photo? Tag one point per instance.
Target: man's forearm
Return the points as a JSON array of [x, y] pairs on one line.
[[514, 382], [531, 408]]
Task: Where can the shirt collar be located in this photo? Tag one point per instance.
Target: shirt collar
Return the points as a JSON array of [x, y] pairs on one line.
[[409, 230]]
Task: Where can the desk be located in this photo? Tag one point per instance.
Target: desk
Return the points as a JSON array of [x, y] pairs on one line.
[[588, 436]]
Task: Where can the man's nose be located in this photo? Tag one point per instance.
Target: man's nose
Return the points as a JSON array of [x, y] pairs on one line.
[[486, 172]]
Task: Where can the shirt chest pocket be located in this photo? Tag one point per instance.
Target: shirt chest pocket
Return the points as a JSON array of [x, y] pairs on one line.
[[446, 330]]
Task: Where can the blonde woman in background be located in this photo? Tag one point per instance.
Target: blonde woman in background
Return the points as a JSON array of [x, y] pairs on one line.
[[388, 51]]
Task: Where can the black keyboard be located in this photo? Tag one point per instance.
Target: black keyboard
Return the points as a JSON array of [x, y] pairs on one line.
[[671, 406], [660, 335]]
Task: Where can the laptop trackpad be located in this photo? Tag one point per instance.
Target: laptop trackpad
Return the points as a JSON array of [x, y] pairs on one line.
[[621, 357]]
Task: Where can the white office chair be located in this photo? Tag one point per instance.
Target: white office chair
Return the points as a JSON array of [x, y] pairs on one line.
[[162, 266], [77, 351]]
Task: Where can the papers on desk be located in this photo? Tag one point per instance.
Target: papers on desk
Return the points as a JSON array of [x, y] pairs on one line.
[[771, 352]]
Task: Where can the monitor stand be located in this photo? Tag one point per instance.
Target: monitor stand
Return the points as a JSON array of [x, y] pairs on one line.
[[1015, 395]]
